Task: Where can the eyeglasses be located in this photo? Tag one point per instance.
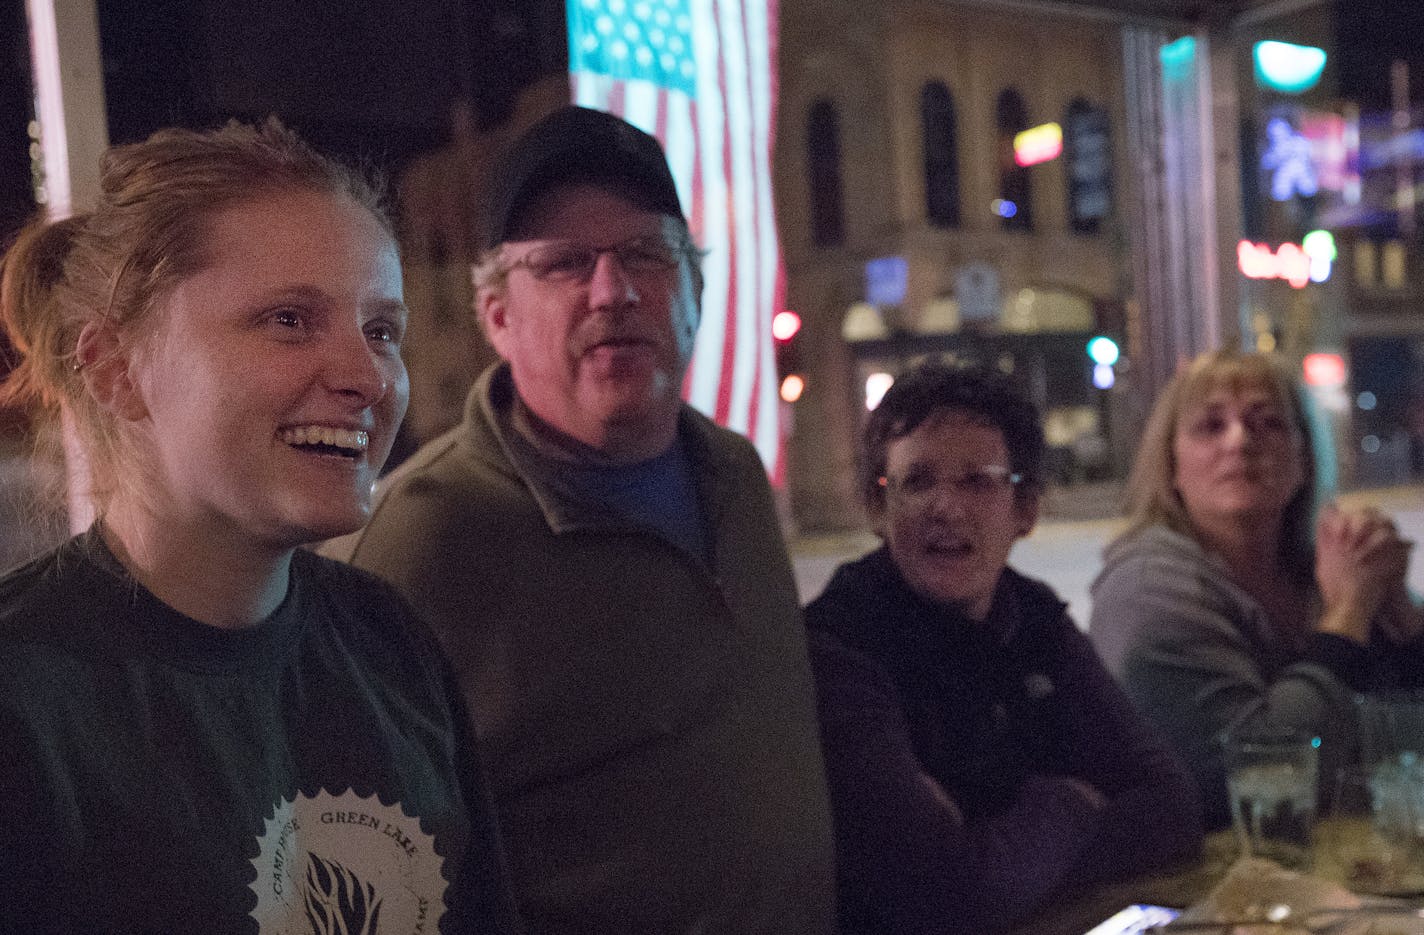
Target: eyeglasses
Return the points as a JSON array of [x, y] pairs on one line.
[[918, 486], [563, 261]]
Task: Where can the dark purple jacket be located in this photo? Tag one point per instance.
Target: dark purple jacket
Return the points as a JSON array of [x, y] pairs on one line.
[[951, 749]]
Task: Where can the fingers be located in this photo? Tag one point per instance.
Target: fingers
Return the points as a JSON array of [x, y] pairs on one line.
[[1362, 530], [1343, 529], [1362, 563], [1380, 553], [1360, 559]]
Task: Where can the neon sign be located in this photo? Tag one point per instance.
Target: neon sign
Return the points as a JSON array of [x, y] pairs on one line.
[[886, 279], [1297, 264], [1320, 247], [1324, 369], [1287, 67], [1038, 144], [1288, 158], [1103, 350], [1177, 59]]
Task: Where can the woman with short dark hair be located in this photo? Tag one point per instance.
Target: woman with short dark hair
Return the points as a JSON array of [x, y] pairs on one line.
[[980, 759]]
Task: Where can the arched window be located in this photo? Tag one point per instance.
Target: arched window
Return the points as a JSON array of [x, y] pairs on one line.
[[1087, 160], [823, 157], [1015, 204], [941, 155]]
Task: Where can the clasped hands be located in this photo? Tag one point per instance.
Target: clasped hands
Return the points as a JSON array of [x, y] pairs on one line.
[[1360, 566]]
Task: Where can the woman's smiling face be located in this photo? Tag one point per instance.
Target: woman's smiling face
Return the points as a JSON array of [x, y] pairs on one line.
[[272, 386]]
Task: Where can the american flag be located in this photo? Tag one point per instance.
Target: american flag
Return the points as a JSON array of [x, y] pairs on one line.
[[700, 75]]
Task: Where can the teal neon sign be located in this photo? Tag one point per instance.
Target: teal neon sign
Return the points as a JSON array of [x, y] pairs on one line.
[[1287, 67], [1178, 59]]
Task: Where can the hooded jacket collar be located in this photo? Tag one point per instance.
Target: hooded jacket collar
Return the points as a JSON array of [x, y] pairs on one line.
[[493, 414]]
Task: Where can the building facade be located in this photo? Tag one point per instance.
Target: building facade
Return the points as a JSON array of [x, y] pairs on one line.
[[910, 229]]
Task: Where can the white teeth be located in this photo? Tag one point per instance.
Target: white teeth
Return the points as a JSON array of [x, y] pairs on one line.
[[349, 439]]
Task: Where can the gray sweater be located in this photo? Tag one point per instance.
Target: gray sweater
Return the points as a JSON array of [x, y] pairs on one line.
[[1198, 656]]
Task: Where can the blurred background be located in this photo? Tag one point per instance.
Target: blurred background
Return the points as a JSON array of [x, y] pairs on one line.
[[1083, 193]]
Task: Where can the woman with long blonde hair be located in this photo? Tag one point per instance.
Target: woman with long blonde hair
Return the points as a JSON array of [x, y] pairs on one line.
[[1227, 604]]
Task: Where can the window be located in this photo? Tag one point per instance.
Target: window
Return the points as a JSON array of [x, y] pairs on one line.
[[823, 157], [1015, 204], [941, 155], [1087, 160]]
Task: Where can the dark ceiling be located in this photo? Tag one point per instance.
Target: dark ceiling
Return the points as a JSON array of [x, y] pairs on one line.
[[1190, 10]]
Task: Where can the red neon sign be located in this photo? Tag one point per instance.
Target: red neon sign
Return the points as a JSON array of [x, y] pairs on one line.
[[1326, 370], [1288, 262]]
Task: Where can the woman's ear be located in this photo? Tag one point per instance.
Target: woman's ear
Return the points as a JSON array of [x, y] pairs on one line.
[[106, 366]]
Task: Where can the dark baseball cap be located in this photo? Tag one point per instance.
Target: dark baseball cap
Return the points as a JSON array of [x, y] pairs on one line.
[[574, 145]]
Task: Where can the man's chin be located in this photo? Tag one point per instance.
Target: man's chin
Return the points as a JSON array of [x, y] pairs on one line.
[[638, 413], [641, 409], [632, 390]]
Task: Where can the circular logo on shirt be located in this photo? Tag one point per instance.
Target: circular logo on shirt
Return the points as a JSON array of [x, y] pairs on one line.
[[346, 864]]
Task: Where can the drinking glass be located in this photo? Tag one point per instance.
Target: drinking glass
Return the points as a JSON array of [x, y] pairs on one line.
[[1391, 723], [1370, 840], [1271, 779]]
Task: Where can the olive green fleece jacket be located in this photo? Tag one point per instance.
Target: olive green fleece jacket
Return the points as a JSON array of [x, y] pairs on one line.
[[647, 721]]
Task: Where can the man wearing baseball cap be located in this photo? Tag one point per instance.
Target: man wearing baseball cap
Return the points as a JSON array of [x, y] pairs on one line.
[[603, 567]]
